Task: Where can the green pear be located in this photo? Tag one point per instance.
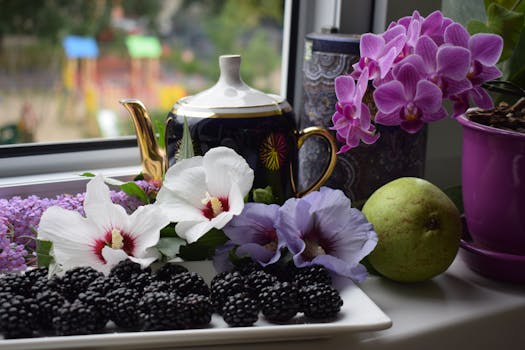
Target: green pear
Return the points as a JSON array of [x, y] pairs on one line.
[[418, 227]]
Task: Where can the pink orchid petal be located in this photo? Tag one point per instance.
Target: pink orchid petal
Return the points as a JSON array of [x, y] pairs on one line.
[[482, 98], [487, 73], [394, 32], [386, 62], [428, 97], [361, 87], [408, 76], [456, 87], [432, 23], [371, 45], [388, 118], [426, 48], [453, 62], [390, 97], [365, 119], [344, 88], [486, 48], [433, 117], [456, 34]]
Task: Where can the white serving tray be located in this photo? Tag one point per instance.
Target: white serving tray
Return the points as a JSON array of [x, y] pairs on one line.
[[359, 313]]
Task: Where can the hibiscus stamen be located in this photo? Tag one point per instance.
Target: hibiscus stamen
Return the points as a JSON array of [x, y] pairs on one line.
[[213, 206], [117, 241]]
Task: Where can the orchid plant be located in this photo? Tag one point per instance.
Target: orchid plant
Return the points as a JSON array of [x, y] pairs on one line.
[[415, 66]]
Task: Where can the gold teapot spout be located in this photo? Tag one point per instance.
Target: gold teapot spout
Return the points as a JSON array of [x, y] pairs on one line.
[[154, 160]]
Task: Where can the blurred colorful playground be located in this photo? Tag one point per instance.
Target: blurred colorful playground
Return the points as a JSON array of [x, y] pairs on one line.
[[77, 95]]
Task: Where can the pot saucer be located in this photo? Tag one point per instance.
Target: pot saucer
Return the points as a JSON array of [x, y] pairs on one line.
[[496, 265]]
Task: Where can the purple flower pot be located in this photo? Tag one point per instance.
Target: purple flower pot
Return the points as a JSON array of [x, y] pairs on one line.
[[493, 182]]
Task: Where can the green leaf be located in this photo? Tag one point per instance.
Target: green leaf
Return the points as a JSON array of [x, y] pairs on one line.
[[508, 4], [204, 247], [170, 246], [455, 194], [474, 26], [43, 253], [88, 174], [506, 23], [515, 67], [169, 231], [264, 195], [161, 130], [186, 145], [139, 177], [133, 189]]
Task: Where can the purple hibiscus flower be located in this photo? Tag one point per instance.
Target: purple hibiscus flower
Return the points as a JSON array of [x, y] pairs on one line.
[[322, 228], [409, 101], [352, 117], [255, 234]]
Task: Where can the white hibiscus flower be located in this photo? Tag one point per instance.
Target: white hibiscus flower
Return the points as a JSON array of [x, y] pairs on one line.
[[106, 235], [205, 192]]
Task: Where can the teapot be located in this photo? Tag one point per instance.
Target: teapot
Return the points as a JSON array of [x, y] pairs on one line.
[[260, 127]]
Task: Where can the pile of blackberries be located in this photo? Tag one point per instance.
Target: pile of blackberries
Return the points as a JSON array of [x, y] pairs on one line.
[[241, 295], [83, 300]]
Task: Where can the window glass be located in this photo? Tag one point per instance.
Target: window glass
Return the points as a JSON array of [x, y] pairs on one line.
[[64, 65]]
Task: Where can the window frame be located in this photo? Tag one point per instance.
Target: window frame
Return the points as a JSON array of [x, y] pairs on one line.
[[26, 160], [23, 167]]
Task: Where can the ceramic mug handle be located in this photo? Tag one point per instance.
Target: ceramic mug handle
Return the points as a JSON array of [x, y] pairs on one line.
[[327, 135]]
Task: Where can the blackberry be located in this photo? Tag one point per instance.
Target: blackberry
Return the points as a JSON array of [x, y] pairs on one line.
[[258, 280], [122, 307], [320, 301], [163, 311], [104, 285], [139, 281], [49, 303], [15, 284], [224, 285], [312, 274], [43, 283], [36, 274], [247, 266], [125, 269], [240, 310], [189, 282], [77, 280], [75, 318], [280, 302], [17, 316], [157, 286], [99, 303], [199, 309], [169, 270]]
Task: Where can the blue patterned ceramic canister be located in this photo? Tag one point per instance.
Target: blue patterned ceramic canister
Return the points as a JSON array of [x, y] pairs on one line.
[[362, 170]]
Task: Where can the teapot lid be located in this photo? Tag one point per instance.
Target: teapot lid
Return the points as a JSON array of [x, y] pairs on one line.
[[230, 96]]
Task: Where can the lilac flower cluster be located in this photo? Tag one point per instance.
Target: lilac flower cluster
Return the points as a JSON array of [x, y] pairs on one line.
[[12, 255], [319, 228], [415, 65], [22, 215]]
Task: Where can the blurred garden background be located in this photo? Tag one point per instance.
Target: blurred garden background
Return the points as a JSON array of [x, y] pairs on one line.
[[64, 64]]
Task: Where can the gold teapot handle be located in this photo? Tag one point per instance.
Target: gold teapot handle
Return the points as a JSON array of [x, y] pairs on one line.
[[327, 135]]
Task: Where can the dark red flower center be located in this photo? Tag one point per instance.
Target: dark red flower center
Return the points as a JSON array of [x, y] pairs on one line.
[[115, 239], [213, 206]]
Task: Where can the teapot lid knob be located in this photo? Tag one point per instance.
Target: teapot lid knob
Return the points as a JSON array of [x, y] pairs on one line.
[[230, 91], [230, 68]]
